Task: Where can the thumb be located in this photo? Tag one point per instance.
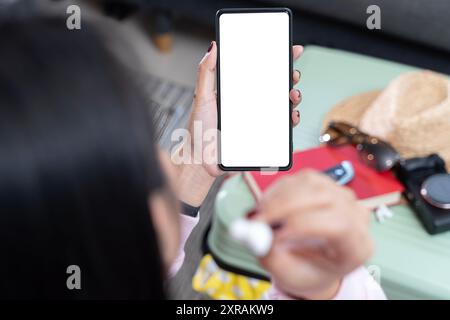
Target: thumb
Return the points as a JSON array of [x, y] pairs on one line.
[[205, 88]]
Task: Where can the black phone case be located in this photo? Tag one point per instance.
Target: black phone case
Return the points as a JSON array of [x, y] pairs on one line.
[[254, 10]]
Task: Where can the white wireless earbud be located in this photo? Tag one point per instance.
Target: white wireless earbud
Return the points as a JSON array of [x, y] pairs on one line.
[[254, 235]]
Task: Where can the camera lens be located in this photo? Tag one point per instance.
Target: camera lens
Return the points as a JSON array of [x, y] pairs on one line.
[[436, 190]]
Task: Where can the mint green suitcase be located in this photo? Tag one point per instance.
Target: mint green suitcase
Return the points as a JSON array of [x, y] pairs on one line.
[[412, 264]]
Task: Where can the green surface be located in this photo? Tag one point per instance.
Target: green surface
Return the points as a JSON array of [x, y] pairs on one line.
[[413, 264], [233, 201]]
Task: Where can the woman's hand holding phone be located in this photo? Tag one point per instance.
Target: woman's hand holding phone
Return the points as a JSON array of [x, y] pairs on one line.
[[197, 179]]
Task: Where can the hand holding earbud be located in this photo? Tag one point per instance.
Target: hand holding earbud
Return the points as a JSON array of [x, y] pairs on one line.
[[323, 234]]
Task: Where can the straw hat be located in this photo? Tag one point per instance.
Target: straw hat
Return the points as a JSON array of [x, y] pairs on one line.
[[412, 113]]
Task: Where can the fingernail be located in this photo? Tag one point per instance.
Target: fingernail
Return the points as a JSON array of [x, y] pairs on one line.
[[299, 73], [251, 214], [210, 47], [276, 226], [299, 94], [298, 113]]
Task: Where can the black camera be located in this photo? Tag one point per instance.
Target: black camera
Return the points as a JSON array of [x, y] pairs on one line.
[[427, 188]]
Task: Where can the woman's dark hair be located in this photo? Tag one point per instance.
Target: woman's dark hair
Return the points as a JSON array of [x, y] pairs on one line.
[[77, 164]]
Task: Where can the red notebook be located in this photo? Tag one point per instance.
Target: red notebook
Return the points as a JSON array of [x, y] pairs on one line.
[[371, 187]]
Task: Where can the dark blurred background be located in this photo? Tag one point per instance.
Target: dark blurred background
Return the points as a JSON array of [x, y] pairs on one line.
[[415, 32]]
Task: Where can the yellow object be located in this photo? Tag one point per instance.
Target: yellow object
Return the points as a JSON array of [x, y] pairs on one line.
[[223, 285]]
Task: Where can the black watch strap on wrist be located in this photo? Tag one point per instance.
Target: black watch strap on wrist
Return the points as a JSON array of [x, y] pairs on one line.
[[189, 210]]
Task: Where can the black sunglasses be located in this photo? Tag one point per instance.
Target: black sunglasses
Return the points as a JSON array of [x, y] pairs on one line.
[[372, 151]]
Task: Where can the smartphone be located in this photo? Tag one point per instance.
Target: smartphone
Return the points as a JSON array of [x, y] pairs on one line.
[[254, 76]]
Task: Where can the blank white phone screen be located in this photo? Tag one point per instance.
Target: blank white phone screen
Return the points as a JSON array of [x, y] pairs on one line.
[[254, 89]]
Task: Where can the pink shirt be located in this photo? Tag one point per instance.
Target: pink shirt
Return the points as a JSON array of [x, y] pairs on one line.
[[357, 285]]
